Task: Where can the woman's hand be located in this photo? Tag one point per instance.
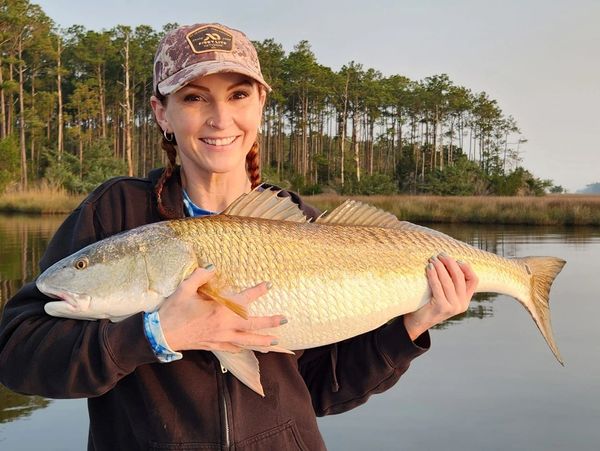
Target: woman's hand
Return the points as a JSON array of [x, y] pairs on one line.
[[452, 286], [190, 321]]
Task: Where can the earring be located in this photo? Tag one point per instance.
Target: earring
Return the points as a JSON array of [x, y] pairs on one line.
[[168, 136]]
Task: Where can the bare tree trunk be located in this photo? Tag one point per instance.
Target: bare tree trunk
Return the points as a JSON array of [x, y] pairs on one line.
[[9, 120], [355, 144], [32, 132], [371, 145], [127, 107], [102, 100], [2, 106], [60, 103], [79, 121], [22, 118], [344, 120]]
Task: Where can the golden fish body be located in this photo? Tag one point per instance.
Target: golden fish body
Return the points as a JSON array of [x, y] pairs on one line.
[[343, 275], [332, 281]]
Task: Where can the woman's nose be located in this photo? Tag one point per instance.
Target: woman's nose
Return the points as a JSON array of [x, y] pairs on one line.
[[221, 117]]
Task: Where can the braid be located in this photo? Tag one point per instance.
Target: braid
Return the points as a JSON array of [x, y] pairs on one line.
[[169, 148], [253, 164]]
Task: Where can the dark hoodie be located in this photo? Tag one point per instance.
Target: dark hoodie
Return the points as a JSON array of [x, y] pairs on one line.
[[137, 403]]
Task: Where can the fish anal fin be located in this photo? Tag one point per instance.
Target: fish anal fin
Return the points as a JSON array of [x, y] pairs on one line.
[[214, 295], [244, 366], [265, 203]]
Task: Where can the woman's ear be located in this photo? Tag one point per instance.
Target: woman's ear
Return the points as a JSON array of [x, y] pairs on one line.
[[262, 96], [160, 113]]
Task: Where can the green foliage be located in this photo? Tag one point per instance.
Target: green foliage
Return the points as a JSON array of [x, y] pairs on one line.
[[519, 182], [98, 165], [464, 178], [9, 161], [383, 184]]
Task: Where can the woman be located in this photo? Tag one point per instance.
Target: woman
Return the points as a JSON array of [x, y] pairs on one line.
[[143, 393]]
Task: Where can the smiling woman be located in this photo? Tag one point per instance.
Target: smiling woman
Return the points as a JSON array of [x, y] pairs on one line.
[[214, 120], [149, 380]]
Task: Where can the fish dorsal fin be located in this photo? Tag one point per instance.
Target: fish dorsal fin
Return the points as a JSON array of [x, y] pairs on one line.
[[266, 203], [353, 212]]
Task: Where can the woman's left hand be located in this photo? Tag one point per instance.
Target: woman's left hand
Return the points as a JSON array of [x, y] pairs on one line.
[[452, 286]]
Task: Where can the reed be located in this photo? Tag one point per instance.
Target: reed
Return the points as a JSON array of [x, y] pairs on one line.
[[43, 199], [562, 209]]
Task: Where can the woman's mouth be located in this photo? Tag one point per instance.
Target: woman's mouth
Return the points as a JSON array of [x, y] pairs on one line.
[[219, 141]]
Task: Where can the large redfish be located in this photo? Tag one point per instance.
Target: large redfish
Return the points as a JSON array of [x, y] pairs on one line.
[[343, 275]]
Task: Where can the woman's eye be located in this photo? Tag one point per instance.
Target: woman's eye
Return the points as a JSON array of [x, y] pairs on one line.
[[193, 98], [240, 95]]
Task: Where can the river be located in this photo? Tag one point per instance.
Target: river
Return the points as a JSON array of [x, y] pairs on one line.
[[488, 383]]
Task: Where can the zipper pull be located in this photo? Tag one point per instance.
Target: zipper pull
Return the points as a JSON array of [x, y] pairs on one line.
[[223, 369]]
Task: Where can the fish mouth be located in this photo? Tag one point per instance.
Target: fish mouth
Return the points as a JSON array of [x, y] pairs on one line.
[[76, 300]]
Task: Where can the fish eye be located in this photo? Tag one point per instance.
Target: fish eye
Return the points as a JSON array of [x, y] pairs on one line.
[[81, 263]]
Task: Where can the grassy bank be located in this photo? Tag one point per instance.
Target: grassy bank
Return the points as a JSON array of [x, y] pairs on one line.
[[562, 209], [548, 210], [40, 200]]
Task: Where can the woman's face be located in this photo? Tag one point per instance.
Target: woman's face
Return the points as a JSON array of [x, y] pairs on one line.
[[215, 120]]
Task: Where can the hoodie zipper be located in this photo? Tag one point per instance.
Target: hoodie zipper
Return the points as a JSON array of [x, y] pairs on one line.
[[225, 407]]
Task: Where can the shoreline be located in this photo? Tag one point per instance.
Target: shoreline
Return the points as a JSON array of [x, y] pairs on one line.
[[563, 209]]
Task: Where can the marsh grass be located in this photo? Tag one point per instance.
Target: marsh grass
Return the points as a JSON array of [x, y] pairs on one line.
[[43, 199], [547, 210]]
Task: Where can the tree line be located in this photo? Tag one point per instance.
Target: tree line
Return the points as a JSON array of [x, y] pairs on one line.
[[74, 110]]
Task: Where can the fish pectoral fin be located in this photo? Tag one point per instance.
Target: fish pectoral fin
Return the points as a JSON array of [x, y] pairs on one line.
[[265, 349], [214, 295], [244, 366]]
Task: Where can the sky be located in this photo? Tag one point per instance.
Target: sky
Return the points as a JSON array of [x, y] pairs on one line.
[[540, 59]]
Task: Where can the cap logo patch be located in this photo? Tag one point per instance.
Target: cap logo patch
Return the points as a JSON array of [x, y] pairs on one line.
[[210, 39]]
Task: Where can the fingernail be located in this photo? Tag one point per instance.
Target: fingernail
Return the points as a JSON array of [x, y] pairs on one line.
[[433, 259], [274, 342], [269, 285], [429, 266], [460, 262], [209, 266], [442, 254], [283, 321]]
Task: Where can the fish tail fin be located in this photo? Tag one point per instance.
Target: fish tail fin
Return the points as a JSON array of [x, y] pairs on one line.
[[543, 271], [214, 295]]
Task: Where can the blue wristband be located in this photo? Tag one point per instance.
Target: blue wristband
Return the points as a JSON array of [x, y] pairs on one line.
[[157, 340]]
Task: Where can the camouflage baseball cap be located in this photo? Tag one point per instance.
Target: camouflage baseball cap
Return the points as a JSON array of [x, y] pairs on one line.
[[192, 51]]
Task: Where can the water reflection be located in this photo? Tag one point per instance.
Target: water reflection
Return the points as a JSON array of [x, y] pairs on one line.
[[14, 406], [23, 240]]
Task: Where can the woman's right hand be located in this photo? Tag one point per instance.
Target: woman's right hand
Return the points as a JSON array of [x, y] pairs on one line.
[[190, 321]]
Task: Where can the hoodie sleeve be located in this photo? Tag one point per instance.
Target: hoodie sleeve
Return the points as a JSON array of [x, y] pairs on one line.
[[64, 358], [343, 376]]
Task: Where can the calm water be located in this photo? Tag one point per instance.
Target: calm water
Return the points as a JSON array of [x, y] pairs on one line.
[[488, 383]]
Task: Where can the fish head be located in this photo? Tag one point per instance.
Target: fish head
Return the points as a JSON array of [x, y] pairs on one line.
[[117, 277]]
